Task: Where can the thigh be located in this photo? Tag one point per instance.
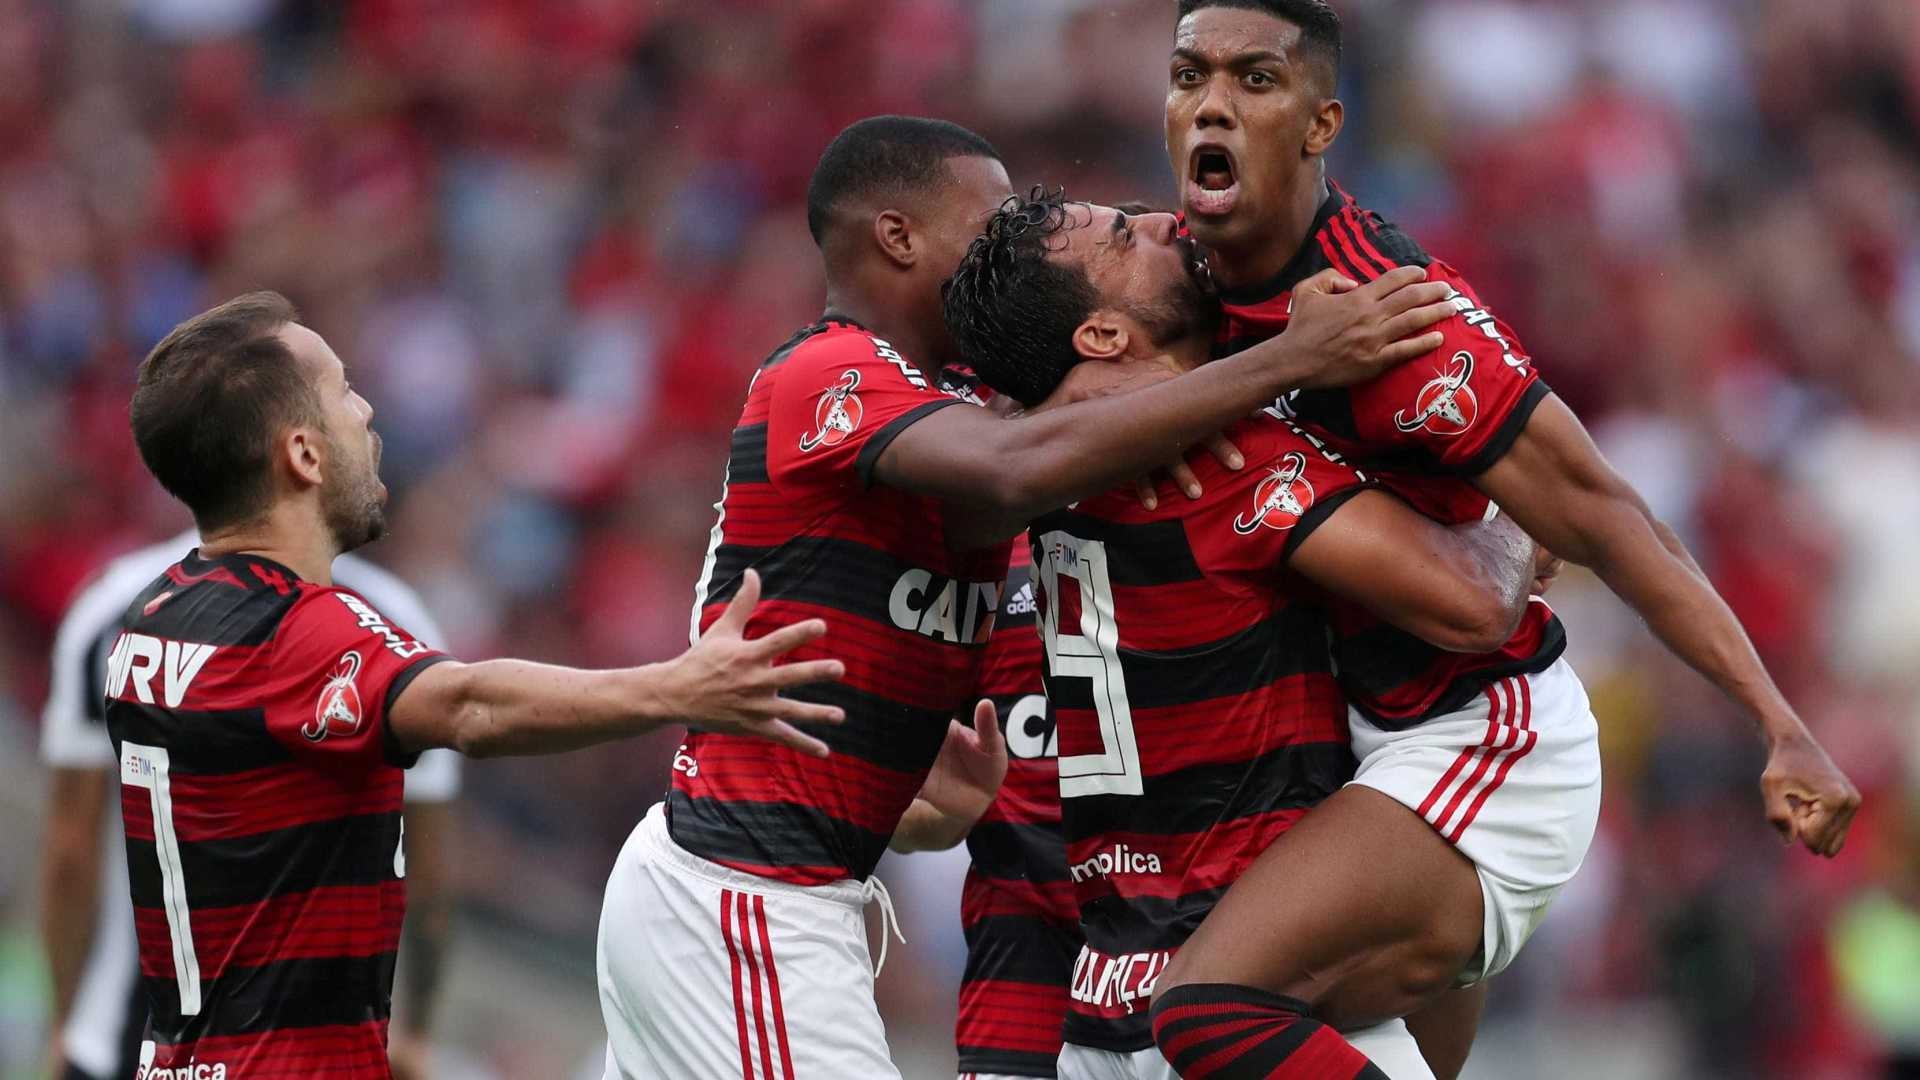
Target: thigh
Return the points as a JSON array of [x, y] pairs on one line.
[[1361, 910]]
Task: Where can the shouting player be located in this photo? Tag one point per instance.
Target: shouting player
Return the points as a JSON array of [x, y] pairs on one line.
[[1186, 661], [1460, 827], [864, 483], [261, 715]]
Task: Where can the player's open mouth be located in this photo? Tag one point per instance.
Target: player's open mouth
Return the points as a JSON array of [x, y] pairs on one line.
[[1212, 187]]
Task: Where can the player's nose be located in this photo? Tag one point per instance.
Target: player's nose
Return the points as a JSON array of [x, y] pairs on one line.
[[1216, 105], [1161, 228]]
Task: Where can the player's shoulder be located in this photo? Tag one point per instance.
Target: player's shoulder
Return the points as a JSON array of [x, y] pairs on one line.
[[833, 348], [1270, 438], [1366, 244]]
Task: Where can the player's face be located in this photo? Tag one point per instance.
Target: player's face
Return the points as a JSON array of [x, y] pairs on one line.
[[351, 494], [1140, 267], [978, 188], [1246, 113]]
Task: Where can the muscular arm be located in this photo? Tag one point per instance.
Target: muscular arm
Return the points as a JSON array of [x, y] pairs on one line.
[[1462, 589], [1013, 469], [70, 878], [1557, 485], [724, 683]]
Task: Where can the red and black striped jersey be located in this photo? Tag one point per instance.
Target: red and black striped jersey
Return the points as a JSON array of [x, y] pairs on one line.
[[1423, 430], [1197, 709], [1017, 907], [907, 615], [261, 793]]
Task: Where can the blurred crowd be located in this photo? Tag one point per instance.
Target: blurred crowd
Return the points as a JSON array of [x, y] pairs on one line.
[[552, 238]]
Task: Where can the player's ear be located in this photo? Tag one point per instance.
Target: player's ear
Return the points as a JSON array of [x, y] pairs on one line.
[[1103, 336], [1327, 122], [894, 234], [304, 454]]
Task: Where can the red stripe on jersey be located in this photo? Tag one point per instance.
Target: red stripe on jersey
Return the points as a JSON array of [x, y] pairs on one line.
[[737, 768], [330, 921], [1358, 227], [1030, 795], [356, 1050], [1017, 1016], [985, 897], [1191, 862], [1299, 710], [226, 680], [221, 807]]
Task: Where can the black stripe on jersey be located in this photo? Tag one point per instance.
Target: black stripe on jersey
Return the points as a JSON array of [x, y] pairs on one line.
[[1191, 801], [201, 742], [1510, 429], [747, 457], [991, 1061], [785, 349], [1390, 240], [1017, 851], [881, 732], [1316, 516], [309, 992], [1381, 658], [1138, 554], [1349, 255], [1329, 410], [263, 866], [878, 442], [1117, 926], [768, 834], [1292, 642], [821, 571], [211, 613], [397, 755], [1020, 948], [1121, 1035]]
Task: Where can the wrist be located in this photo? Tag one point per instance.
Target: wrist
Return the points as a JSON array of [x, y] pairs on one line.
[[657, 693], [1783, 727]]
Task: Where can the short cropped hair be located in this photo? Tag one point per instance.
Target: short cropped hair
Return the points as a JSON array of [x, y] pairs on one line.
[[886, 156], [1319, 25], [1011, 310], [211, 399]]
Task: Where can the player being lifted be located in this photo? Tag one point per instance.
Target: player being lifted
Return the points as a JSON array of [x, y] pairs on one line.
[[865, 484], [1446, 743], [1186, 658], [261, 715]]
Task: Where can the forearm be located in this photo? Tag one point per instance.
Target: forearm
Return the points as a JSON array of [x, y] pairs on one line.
[[925, 827], [1504, 555], [519, 707], [68, 903], [429, 924]]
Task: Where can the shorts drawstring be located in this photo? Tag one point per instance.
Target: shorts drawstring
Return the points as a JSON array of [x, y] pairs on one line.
[[874, 889]]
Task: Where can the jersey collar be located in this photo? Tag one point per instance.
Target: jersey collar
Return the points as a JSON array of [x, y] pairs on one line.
[[1304, 264]]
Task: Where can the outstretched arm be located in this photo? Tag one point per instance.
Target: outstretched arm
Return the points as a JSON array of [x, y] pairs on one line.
[[1014, 469], [1557, 485], [1462, 588], [724, 683]]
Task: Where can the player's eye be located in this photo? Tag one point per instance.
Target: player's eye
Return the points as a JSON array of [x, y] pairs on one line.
[[1259, 80], [1186, 76]]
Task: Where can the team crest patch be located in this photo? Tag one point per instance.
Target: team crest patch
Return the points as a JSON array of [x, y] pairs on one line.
[[1283, 497], [339, 711], [1446, 405], [837, 415]]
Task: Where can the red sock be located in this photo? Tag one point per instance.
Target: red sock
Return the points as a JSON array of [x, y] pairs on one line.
[[1219, 1032]]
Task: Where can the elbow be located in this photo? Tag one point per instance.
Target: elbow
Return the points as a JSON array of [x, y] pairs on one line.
[[1481, 626], [474, 732]]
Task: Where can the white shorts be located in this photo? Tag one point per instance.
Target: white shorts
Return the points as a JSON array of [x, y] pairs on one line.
[[1389, 1046], [1513, 782], [708, 973]]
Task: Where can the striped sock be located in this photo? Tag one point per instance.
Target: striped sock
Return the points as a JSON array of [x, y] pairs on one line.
[[1216, 1031]]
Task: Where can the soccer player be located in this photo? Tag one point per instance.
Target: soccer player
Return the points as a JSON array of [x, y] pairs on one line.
[[1186, 659], [100, 1008], [1455, 835], [261, 714], [867, 488]]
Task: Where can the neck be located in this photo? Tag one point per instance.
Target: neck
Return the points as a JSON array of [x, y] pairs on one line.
[[295, 536], [1270, 250], [893, 319]]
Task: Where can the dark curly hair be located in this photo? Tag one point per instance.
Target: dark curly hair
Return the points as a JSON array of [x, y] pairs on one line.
[[1011, 310], [1319, 26]]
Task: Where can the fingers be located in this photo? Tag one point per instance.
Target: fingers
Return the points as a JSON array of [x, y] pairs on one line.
[[782, 732], [807, 712], [1424, 295], [734, 619], [1226, 453], [812, 671], [1183, 476], [1143, 489], [986, 722], [1393, 281], [1414, 320], [1411, 348], [1779, 813], [1329, 282], [788, 638]]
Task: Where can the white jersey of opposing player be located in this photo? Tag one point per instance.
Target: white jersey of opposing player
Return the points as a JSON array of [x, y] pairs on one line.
[[73, 735]]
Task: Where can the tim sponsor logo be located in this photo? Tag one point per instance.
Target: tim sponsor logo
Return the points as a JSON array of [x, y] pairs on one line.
[[1116, 860], [1114, 985]]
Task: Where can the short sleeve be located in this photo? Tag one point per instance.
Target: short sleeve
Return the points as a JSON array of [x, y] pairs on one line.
[[73, 730], [1459, 408], [337, 667], [838, 402], [1288, 488]]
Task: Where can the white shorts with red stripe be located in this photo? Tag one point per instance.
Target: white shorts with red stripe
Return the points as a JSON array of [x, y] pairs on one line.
[[1513, 782], [708, 973]]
